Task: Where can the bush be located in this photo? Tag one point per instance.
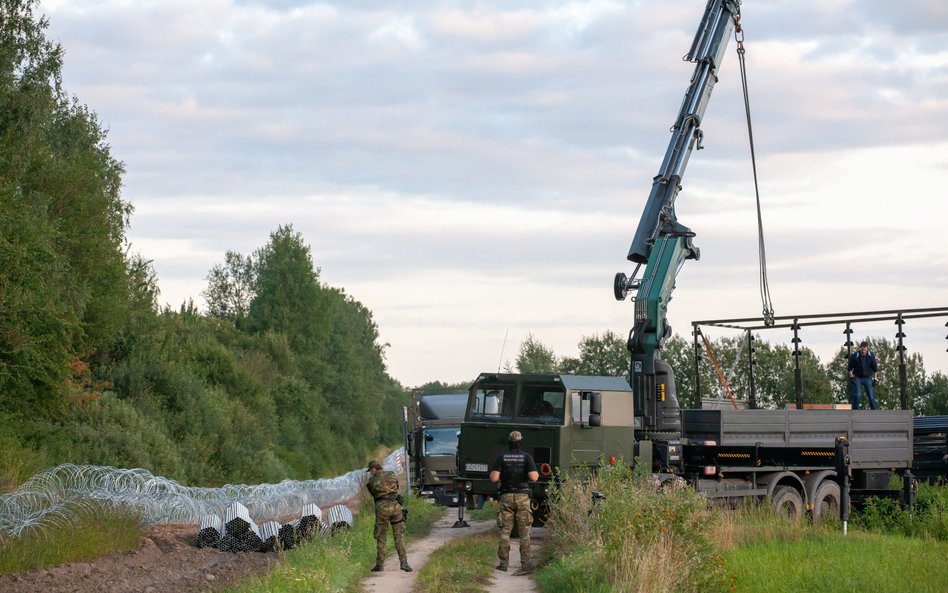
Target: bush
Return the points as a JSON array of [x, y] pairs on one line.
[[928, 519], [645, 536]]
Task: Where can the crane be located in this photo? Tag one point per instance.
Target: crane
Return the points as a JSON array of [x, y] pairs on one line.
[[661, 242]]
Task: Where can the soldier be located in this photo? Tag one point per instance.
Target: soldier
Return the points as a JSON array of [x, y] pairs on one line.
[[383, 486], [513, 470]]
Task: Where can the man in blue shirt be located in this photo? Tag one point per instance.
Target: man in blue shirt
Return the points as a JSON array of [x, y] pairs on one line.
[[862, 370]]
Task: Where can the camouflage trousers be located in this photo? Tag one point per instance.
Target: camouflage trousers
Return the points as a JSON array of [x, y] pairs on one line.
[[514, 512], [389, 511]]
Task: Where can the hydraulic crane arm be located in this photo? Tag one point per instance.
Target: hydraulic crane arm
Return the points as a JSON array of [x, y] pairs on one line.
[[661, 242]]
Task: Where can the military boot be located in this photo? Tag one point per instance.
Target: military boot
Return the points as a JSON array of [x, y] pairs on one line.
[[405, 566], [377, 567], [525, 569]]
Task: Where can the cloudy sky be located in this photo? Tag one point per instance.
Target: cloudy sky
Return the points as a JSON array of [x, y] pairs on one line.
[[476, 170]]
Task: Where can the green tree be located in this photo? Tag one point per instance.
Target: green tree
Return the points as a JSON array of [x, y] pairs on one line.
[[535, 357], [600, 354], [229, 289], [63, 267], [287, 295], [440, 387], [933, 401]]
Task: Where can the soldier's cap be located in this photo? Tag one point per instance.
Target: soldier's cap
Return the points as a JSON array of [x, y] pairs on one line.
[[514, 437], [373, 465]]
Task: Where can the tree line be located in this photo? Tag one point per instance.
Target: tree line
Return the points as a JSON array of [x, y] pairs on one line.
[[282, 376]]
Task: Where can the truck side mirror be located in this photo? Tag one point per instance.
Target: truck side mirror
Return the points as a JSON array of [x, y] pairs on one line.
[[595, 409]]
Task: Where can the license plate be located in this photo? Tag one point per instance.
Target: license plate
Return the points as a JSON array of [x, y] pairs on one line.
[[475, 467]]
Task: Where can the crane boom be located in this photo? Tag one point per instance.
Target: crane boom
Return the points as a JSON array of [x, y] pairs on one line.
[[660, 241]]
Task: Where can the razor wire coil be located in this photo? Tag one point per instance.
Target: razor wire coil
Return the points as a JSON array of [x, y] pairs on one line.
[[57, 496]]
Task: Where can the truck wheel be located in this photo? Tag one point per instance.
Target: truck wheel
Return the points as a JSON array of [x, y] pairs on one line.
[[826, 501], [788, 502]]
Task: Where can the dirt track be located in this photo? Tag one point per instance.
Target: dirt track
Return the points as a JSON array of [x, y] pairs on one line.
[[166, 561], [393, 580]]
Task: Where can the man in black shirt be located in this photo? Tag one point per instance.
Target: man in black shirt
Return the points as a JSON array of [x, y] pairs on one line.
[[514, 469]]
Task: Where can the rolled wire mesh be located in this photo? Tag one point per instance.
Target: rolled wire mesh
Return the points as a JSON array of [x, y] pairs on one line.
[[56, 496]]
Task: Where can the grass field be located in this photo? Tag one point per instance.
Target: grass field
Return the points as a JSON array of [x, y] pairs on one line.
[[91, 531], [833, 563]]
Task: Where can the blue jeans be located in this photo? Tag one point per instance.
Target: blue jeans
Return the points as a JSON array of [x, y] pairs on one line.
[[864, 383]]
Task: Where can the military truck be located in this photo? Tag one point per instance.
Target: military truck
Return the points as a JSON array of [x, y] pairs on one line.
[[571, 422], [433, 444]]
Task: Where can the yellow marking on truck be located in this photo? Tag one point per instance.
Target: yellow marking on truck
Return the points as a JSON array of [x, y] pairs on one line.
[[735, 455], [817, 454]]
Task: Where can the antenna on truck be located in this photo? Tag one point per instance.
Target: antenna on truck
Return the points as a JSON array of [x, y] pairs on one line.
[[504, 345]]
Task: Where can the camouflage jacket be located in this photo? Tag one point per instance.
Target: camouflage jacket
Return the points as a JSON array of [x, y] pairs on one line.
[[383, 485]]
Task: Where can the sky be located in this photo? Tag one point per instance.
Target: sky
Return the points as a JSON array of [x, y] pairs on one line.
[[473, 172]]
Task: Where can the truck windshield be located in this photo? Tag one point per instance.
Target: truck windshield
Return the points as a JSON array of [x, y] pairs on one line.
[[493, 403], [441, 441], [541, 403]]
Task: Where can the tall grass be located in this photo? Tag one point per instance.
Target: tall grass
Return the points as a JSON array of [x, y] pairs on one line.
[[756, 523], [92, 530], [644, 537]]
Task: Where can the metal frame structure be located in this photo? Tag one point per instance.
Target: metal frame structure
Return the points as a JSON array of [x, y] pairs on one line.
[[795, 322]]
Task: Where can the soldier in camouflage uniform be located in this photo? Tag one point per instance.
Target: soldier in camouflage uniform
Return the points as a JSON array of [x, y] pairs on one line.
[[514, 470], [383, 486]]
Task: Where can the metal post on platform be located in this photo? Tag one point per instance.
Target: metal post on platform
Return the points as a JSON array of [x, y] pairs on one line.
[[751, 361], [903, 392], [696, 331], [797, 374], [842, 478], [850, 386]]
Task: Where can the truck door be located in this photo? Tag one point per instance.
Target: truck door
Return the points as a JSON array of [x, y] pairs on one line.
[[585, 442]]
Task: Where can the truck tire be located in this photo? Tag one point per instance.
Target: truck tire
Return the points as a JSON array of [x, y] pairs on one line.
[[826, 501], [788, 502]]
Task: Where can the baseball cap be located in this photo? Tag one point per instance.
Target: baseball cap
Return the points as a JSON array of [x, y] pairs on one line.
[[514, 436], [373, 465]]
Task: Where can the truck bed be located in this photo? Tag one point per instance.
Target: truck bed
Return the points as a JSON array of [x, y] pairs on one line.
[[877, 438]]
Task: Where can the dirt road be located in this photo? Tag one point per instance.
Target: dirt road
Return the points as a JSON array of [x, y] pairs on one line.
[[167, 561], [393, 580]]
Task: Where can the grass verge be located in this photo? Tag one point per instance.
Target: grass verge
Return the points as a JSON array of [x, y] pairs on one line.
[[90, 531], [339, 563], [832, 563], [462, 566]]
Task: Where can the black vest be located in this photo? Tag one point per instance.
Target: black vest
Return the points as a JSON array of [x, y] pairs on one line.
[[513, 472]]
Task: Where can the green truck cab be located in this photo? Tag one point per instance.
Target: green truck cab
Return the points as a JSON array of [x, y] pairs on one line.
[[580, 421], [433, 445]]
